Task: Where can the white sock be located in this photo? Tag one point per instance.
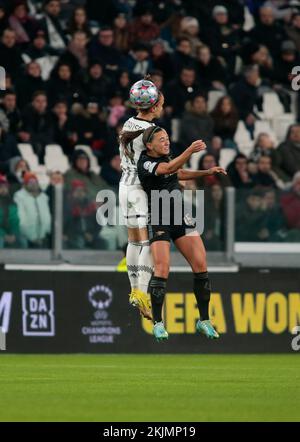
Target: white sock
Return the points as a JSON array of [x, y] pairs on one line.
[[132, 260], [145, 267]]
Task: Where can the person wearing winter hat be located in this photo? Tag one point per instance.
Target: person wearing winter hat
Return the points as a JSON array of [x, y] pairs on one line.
[[81, 170]]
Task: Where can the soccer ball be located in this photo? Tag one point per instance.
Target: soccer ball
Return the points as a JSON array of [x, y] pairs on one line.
[[143, 94]]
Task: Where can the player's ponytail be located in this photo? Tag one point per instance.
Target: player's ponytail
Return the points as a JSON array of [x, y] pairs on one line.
[[126, 138]]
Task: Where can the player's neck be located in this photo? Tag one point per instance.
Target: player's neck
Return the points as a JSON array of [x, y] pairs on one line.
[[146, 117]]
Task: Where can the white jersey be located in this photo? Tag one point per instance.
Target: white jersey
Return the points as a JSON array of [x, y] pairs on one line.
[[136, 147]]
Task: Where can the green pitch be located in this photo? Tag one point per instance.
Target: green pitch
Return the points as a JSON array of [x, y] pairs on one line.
[[149, 388]]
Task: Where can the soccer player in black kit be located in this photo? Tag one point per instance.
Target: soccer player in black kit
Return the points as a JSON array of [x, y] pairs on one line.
[[157, 172]]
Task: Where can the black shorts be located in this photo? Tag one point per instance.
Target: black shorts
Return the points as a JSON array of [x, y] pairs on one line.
[[171, 232]]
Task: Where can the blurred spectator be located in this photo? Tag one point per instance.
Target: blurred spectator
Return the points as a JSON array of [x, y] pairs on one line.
[[213, 234], [225, 116], [121, 33], [138, 61], [286, 157], [116, 110], [186, 87], [189, 28], [21, 22], [97, 84], [42, 53], [250, 221], [274, 224], [17, 167], [161, 59], [9, 107], [79, 22], [34, 212], [182, 57], [76, 54], [222, 38], [238, 172], [207, 161], [124, 84], [8, 144], [64, 130], [247, 97], [263, 177], [268, 32], [196, 123], [52, 26], [103, 11], [63, 85], [255, 54], [102, 47], [9, 219], [144, 29], [80, 228], [210, 70], [293, 29], [285, 62], [3, 18], [264, 145], [111, 171], [28, 84], [81, 171], [10, 55], [290, 203], [37, 124]]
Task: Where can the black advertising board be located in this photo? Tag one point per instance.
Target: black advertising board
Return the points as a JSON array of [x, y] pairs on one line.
[[255, 311]]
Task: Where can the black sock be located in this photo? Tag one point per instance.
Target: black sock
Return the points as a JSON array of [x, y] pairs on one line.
[[157, 290], [202, 290]]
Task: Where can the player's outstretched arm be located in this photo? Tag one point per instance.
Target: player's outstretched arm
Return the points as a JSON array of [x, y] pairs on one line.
[[185, 174], [174, 165]]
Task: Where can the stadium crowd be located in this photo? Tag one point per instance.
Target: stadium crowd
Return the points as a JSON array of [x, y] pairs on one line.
[[69, 66]]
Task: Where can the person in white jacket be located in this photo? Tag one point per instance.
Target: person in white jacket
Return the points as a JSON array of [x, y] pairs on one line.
[[34, 212]]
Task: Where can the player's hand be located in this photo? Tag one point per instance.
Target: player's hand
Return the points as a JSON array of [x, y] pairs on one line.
[[217, 169], [197, 146]]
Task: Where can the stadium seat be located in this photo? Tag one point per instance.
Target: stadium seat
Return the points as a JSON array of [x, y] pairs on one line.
[[55, 159], [194, 160], [28, 155], [226, 156], [243, 139], [281, 124], [263, 126], [272, 106], [213, 98], [93, 160]]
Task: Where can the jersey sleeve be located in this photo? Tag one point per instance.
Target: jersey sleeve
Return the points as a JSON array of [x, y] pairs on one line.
[[148, 167]]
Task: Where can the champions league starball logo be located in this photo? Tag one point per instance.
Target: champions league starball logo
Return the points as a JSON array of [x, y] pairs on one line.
[[100, 297]]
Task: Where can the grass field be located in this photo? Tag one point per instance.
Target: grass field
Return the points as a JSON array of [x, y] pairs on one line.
[[149, 388]]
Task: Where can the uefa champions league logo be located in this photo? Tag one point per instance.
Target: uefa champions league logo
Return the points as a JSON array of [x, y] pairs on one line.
[[100, 297]]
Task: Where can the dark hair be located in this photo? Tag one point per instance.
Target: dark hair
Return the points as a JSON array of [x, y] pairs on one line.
[[126, 138]]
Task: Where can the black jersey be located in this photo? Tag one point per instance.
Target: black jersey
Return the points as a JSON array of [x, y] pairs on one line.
[[167, 226], [147, 174]]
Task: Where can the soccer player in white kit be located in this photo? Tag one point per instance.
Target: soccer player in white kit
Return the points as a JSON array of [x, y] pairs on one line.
[[148, 101]]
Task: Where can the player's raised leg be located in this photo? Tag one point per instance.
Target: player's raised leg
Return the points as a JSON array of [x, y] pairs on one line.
[[192, 248]]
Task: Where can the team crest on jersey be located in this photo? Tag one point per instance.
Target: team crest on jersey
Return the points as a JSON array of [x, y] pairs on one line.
[[148, 165]]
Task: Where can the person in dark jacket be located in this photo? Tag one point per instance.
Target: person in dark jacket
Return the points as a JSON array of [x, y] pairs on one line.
[[52, 26], [210, 69], [268, 32], [10, 55], [196, 123], [28, 84], [37, 124], [182, 56], [186, 87], [286, 158]]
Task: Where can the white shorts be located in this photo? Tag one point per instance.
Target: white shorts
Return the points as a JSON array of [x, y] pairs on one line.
[[134, 205]]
